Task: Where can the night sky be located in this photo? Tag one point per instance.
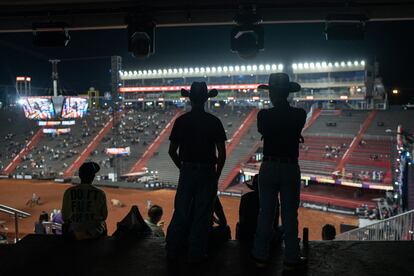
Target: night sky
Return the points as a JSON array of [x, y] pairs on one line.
[[88, 53]]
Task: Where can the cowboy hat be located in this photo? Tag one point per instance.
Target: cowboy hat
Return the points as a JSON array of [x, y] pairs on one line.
[[199, 92], [89, 168], [280, 81]]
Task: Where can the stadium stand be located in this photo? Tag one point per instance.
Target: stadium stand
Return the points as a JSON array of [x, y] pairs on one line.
[[137, 130], [13, 139], [54, 154]]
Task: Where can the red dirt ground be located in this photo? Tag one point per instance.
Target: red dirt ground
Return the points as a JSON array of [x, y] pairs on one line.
[[15, 193]]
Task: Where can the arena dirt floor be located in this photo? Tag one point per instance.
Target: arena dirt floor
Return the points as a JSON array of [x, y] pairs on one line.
[[15, 193]]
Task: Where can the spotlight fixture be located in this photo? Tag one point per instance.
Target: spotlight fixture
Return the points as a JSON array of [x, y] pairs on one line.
[[247, 38], [345, 27], [50, 34], [141, 36]]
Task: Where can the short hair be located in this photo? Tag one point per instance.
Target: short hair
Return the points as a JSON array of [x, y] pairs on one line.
[[155, 213], [43, 217], [328, 232]]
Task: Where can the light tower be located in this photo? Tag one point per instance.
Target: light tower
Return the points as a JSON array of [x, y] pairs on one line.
[[55, 75], [23, 86]]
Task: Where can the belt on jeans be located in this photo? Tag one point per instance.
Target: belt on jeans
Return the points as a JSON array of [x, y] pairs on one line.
[[275, 159]]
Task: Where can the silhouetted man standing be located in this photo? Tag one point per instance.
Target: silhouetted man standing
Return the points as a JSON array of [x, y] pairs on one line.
[[281, 128], [194, 139]]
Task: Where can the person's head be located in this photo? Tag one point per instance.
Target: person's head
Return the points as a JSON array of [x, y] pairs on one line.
[[88, 171], [328, 232], [279, 87], [155, 213], [199, 94], [43, 217]]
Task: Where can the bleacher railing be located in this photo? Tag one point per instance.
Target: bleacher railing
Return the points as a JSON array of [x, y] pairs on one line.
[[397, 228], [16, 214]]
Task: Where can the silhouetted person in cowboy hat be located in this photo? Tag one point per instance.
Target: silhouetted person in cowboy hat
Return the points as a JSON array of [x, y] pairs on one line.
[[280, 127], [195, 137], [84, 208]]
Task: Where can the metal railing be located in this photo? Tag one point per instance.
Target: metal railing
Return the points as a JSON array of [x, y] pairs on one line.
[[16, 214], [397, 228]]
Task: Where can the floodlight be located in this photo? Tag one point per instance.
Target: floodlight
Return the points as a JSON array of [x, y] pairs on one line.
[[225, 68], [280, 67], [231, 68], [247, 38], [141, 35], [343, 64], [300, 66], [237, 68], [274, 67], [261, 67], [243, 68], [196, 70], [306, 65], [249, 68], [294, 66], [267, 67], [363, 62], [254, 67]]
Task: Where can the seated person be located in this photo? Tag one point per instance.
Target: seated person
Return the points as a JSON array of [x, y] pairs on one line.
[[248, 213], [84, 208], [328, 232], [154, 222], [39, 228]]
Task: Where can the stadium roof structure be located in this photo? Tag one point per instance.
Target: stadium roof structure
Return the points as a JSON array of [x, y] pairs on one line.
[[19, 15], [209, 71], [236, 70]]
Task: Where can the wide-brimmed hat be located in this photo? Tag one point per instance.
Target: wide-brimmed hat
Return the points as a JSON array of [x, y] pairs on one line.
[[280, 81], [89, 168], [199, 92]]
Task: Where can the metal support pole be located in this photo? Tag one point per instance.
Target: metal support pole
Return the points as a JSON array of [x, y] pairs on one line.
[[16, 226]]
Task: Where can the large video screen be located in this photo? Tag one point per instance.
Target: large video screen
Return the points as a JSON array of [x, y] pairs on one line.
[[118, 151], [38, 108], [74, 107]]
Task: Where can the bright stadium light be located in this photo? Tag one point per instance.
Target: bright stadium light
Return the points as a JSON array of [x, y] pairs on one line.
[[254, 67], [208, 69], [202, 69], [261, 67], [330, 65], [306, 65], [243, 68], [139, 72], [280, 67], [267, 67], [219, 69], [300, 66], [274, 67], [349, 63], [191, 70], [164, 71], [145, 72], [170, 71], [120, 73], [213, 69], [149, 72], [154, 72], [318, 65], [343, 64], [324, 64], [180, 70], [356, 63], [130, 73], [312, 65], [231, 68], [225, 68], [159, 72], [237, 68], [185, 70], [363, 62], [175, 71], [336, 64], [196, 70], [21, 101], [249, 68], [294, 66]]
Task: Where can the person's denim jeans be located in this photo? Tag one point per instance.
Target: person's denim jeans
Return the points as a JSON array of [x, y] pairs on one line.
[[275, 178], [197, 188]]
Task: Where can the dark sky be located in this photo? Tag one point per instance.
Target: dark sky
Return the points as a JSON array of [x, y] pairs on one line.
[[390, 43]]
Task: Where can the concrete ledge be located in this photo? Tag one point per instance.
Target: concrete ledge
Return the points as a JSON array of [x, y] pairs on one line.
[[51, 255]]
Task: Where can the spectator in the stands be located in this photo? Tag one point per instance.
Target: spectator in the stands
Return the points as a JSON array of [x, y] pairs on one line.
[[39, 228], [328, 232], [195, 138], [84, 208], [248, 213], [154, 222]]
